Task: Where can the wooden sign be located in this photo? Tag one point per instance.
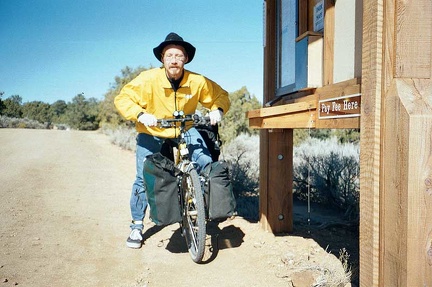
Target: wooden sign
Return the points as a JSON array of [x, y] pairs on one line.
[[340, 107]]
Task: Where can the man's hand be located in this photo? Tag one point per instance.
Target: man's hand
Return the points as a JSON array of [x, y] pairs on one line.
[[148, 120], [215, 117]]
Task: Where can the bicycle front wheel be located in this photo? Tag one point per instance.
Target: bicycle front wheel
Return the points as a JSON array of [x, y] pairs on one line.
[[194, 222]]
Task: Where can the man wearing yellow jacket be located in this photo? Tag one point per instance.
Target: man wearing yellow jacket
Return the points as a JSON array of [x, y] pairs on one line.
[[157, 94]]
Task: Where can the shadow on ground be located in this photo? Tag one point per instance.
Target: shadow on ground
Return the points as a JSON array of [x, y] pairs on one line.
[[328, 228], [217, 239]]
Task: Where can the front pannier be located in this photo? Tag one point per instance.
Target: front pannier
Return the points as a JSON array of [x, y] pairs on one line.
[[161, 183], [218, 192]]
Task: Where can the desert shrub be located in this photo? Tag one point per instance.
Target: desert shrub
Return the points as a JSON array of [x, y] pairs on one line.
[[343, 135], [20, 123], [243, 155], [122, 136], [248, 206], [328, 172]]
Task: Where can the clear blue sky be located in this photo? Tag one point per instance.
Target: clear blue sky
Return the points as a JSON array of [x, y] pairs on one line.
[[55, 49]]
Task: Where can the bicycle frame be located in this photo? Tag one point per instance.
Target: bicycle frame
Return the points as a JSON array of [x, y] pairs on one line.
[[181, 152]]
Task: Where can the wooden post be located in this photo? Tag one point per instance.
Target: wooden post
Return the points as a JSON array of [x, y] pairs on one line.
[[406, 196], [280, 181], [396, 144], [275, 187], [370, 126], [406, 226], [268, 92]]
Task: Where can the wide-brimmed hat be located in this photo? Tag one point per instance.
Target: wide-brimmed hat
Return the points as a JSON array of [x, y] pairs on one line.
[[174, 39]]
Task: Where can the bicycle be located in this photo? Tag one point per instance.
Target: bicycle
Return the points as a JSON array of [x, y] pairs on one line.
[[190, 191]]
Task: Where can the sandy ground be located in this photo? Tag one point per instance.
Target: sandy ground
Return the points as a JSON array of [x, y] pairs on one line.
[[64, 213]]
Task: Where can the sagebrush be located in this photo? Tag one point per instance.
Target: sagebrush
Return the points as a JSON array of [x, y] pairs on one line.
[[328, 172]]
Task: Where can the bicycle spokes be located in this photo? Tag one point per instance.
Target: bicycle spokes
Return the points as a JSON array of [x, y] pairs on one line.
[[194, 216]]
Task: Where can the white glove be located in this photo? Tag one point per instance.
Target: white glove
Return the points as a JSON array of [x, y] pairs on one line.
[[215, 116], [148, 120]]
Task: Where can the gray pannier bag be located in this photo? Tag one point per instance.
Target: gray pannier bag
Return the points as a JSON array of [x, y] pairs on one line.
[[218, 192], [161, 183]]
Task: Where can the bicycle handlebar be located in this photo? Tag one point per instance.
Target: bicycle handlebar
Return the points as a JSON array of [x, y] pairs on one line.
[[195, 118]]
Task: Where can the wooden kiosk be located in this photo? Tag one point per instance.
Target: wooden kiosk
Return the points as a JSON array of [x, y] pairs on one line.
[[355, 64]]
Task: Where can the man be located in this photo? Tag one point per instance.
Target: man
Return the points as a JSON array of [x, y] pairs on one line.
[[157, 94]]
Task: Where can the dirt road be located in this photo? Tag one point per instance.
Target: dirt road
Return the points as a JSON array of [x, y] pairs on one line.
[[64, 217]]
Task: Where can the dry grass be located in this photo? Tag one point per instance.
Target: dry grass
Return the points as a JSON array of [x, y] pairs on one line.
[[327, 272], [333, 275]]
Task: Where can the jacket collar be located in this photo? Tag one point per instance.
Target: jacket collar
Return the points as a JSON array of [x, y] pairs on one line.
[[166, 83]]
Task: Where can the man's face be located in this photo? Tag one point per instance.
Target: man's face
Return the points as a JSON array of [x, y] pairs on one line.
[[174, 58]]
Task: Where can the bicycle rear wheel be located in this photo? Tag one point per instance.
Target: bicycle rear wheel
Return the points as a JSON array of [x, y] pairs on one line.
[[194, 224]]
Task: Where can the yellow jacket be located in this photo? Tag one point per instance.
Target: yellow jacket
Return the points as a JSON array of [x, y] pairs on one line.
[[151, 92]]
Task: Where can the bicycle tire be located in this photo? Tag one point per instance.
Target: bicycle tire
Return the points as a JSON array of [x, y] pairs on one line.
[[194, 222]]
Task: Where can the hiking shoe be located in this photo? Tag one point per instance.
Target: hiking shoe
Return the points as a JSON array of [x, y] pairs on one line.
[[135, 239]]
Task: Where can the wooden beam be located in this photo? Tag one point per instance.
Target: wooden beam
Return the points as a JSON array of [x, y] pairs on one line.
[[329, 19], [289, 121], [344, 88], [290, 116], [284, 109], [370, 126]]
